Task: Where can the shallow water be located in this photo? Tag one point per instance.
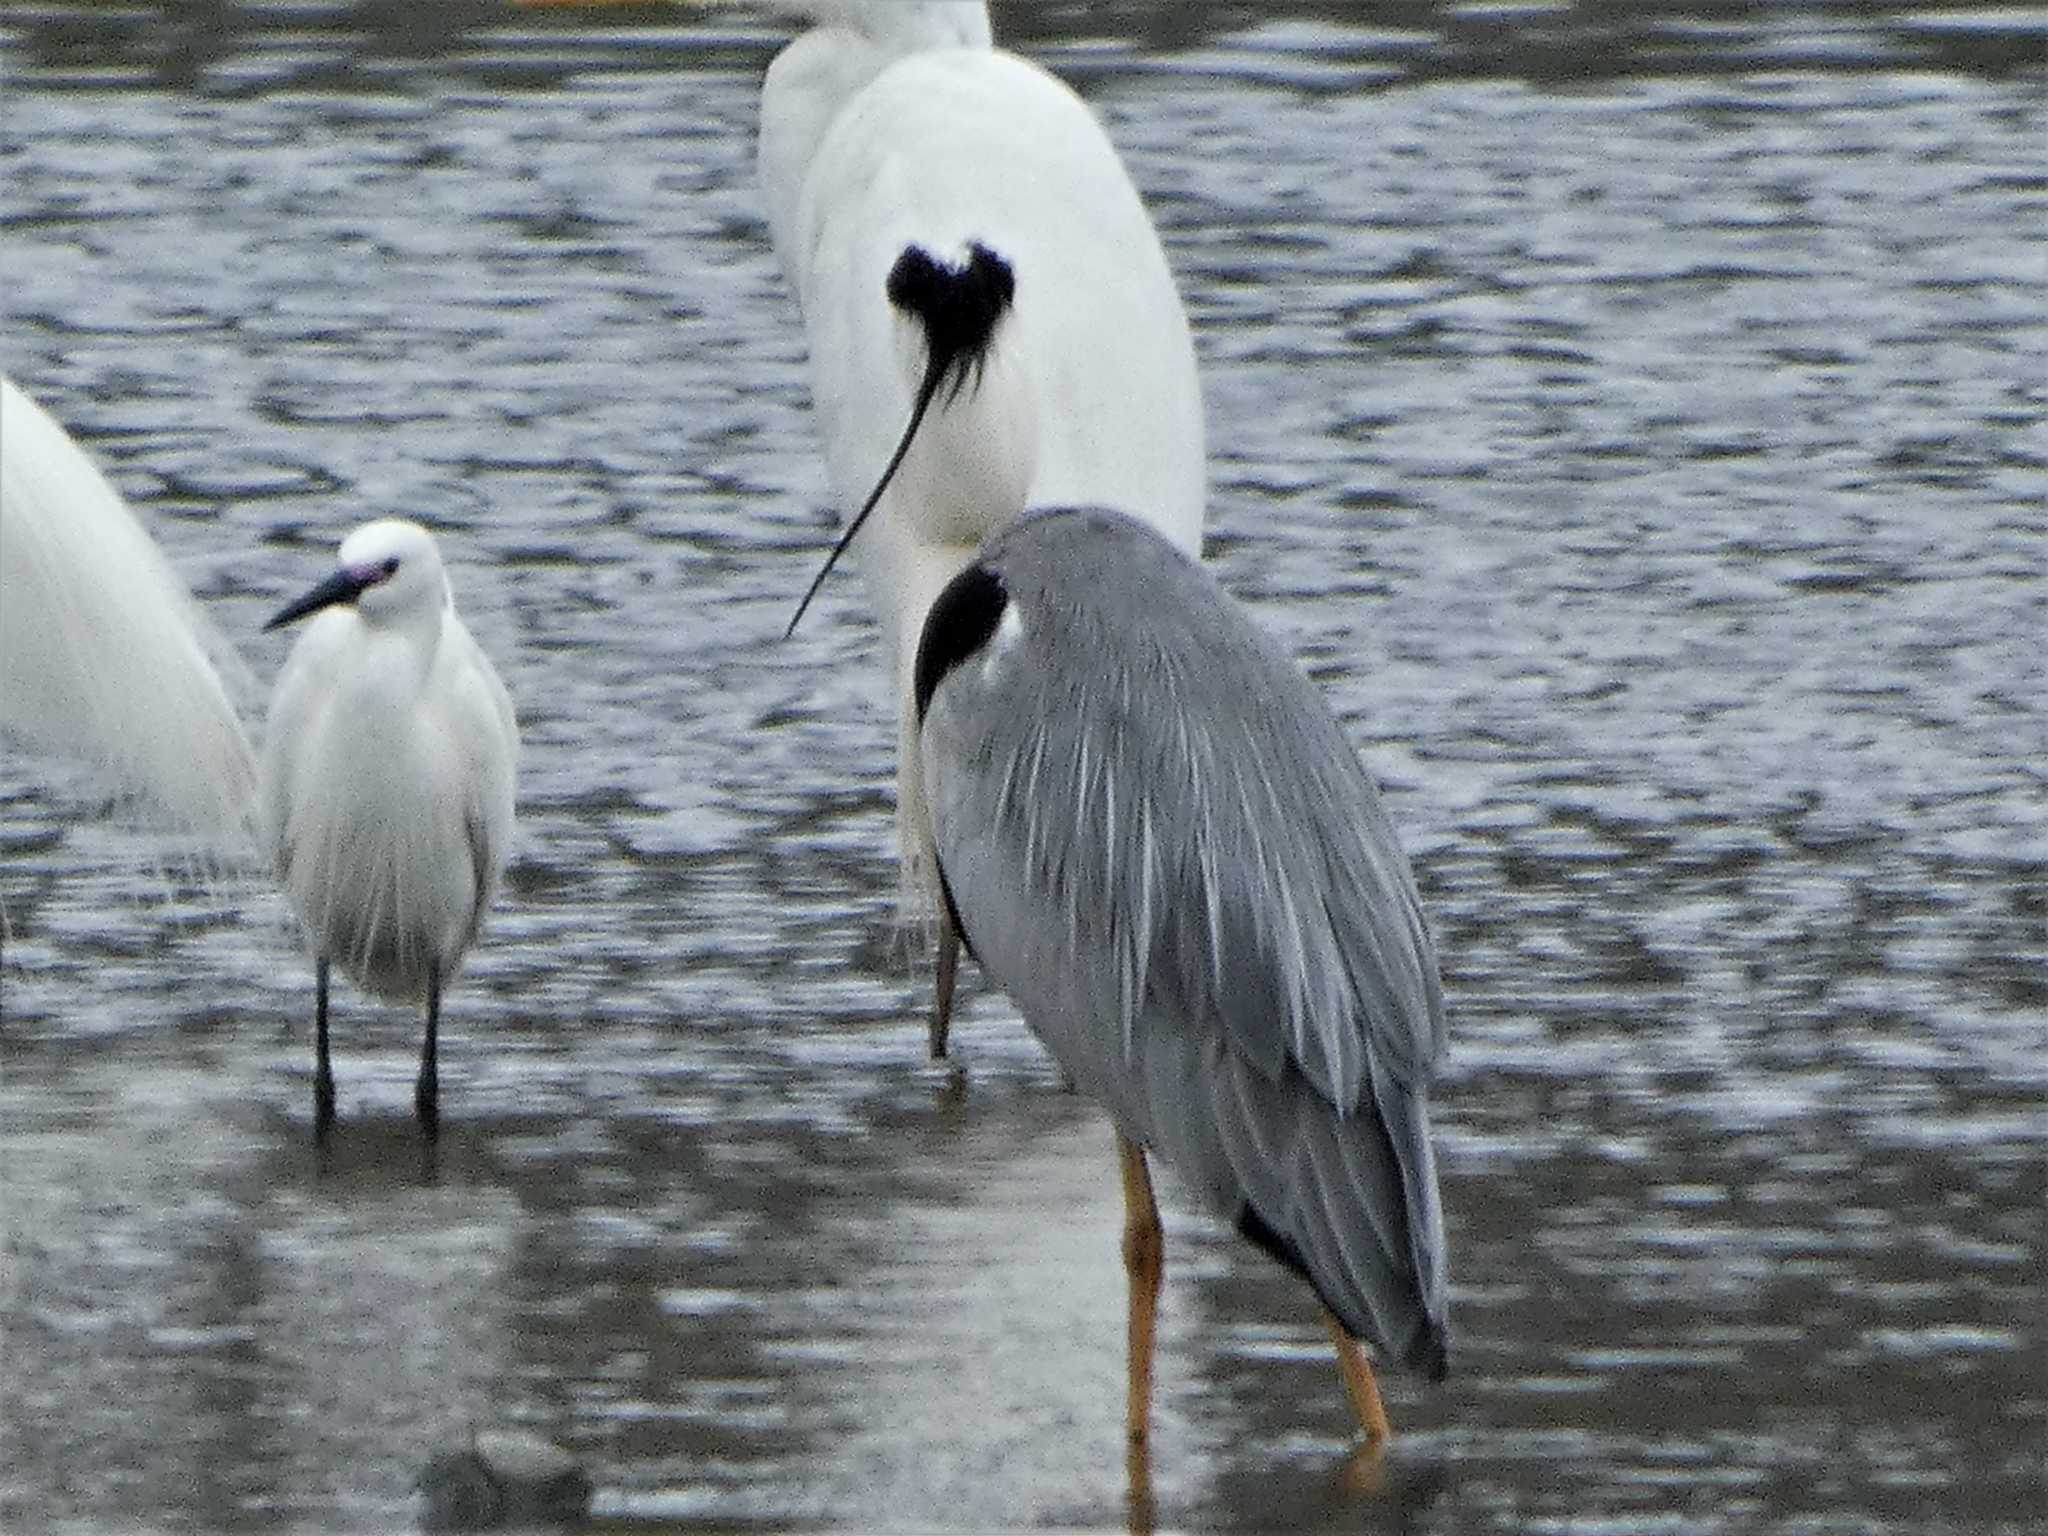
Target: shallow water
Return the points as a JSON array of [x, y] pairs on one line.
[[1635, 417]]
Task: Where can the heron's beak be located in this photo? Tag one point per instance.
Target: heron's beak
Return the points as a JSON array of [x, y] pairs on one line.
[[344, 586]]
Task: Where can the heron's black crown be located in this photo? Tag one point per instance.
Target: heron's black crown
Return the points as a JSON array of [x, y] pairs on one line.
[[959, 307], [959, 624]]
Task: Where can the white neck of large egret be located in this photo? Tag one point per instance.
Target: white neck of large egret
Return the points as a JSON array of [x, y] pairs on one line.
[[902, 25], [818, 74]]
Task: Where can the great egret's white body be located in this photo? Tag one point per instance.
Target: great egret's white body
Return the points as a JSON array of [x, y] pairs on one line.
[[105, 657], [387, 771], [893, 127]]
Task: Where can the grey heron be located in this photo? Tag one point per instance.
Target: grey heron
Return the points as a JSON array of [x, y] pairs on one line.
[[1153, 835], [387, 783]]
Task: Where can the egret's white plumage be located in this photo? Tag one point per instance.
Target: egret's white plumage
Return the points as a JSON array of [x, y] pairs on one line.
[[896, 124], [105, 657], [1156, 838], [387, 777]]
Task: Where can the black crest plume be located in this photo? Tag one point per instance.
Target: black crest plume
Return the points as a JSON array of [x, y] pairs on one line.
[[959, 308]]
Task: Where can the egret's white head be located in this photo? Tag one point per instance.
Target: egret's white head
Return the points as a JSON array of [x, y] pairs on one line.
[[900, 25], [390, 570]]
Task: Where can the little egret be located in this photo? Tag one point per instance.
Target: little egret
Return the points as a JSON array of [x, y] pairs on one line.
[[104, 656], [1152, 833], [387, 783]]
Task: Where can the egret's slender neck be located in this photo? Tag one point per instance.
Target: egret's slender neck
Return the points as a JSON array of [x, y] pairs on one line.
[[413, 632]]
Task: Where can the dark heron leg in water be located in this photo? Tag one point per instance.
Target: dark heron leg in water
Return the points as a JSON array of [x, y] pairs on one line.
[[1144, 1252], [323, 1068], [426, 1095]]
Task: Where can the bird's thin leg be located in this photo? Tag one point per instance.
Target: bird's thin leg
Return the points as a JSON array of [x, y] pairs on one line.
[[949, 971], [1138, 1506], [426, 1094], [323, 1068], [1358, 1382], [1144, 1249]]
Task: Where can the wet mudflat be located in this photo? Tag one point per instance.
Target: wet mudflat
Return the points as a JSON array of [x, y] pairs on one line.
[[1637, 421]]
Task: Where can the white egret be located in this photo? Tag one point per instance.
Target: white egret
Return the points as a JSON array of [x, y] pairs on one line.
[[387, 777], [960, 233], [1153, 834], [105, 657]]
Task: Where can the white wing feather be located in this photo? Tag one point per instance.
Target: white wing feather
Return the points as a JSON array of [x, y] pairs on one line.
[[104, 655]]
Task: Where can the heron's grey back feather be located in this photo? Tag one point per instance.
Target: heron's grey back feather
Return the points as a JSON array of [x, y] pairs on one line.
[[1163, 847]]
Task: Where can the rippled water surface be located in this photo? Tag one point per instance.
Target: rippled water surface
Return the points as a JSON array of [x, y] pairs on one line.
[[1636, 416]]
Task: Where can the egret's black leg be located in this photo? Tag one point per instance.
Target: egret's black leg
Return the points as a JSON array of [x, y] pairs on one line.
[[323, 1068], [426, 1096], [949, 971]]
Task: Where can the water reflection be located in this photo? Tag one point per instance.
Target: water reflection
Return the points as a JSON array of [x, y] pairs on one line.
[[1633, 416]]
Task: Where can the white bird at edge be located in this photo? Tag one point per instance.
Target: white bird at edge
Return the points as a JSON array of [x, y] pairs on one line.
[[105, 657], [387, 783]]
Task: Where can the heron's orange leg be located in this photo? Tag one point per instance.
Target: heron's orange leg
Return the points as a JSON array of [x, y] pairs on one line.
[[1138, 1514], [949, 971], [1144, 1250], [1365, 1393]]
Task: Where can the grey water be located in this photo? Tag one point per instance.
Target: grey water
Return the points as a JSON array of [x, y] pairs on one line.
[[1634, 415]]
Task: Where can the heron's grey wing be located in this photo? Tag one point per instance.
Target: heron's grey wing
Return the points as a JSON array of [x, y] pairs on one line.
[[1179, 799], [1161, 845], [1349, 1202]]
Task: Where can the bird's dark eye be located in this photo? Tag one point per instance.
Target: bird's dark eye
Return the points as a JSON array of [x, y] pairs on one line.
[[391, 565]]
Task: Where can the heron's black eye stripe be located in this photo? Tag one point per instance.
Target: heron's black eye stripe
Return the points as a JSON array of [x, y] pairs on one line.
[[391, 565], [961, 620]]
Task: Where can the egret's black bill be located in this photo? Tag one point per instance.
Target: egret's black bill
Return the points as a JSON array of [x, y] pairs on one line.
[[344, 586]]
